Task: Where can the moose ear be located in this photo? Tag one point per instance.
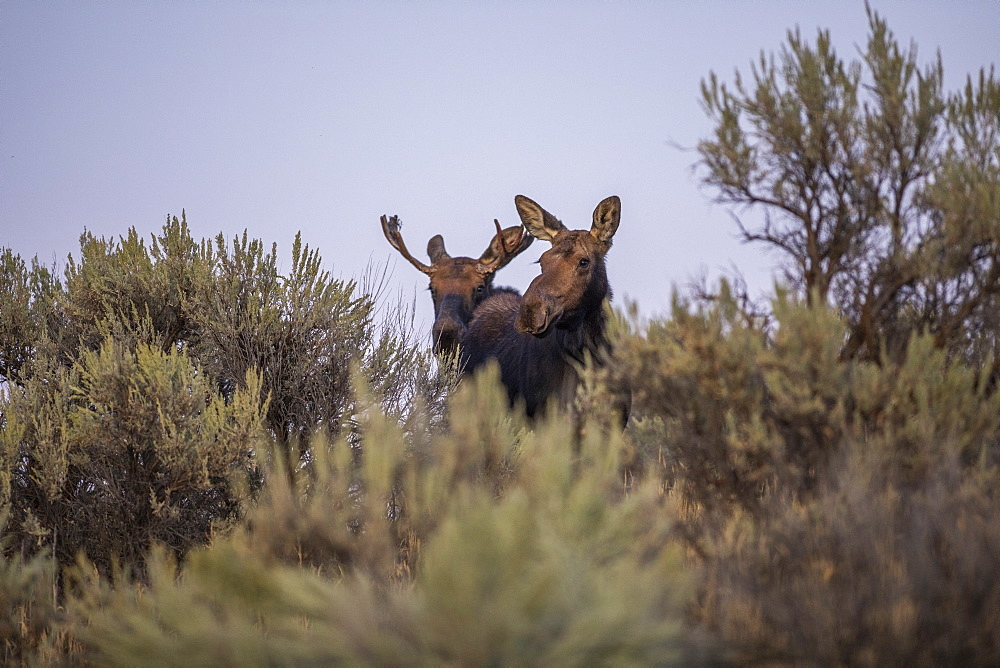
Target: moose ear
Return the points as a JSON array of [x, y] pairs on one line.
[[542, 224], [435, 249], [516, 242], [607, 215]]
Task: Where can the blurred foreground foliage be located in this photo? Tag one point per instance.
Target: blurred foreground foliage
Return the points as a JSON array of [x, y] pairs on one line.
[[205, 461], [475, 564]]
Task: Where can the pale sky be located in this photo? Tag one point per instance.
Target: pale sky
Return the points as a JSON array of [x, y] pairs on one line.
[[277, 117]]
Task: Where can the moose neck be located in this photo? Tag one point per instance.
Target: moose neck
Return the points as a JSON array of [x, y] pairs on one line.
[[588, 335]]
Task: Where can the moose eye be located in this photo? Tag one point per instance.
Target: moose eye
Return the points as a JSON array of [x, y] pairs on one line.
[[584, 262], [481, 289]]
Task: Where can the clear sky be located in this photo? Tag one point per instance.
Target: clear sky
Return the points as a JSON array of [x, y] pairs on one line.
[[277, 117]]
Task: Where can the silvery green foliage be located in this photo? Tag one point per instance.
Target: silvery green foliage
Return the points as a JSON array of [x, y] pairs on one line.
[[875, 186]]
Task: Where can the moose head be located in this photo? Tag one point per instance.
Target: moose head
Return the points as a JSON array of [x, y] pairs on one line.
[[458, 284], [574, 281]]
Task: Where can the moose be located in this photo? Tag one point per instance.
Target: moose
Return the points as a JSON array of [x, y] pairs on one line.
[[539, 340], [459, 284]]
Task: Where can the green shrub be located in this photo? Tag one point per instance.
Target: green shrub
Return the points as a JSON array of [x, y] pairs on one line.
[[29, 616], [841, 508], [877, 189], [867, 573], [519, 547], [123, 450]]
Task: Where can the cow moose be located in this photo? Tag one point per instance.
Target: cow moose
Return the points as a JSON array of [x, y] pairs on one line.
[[539, 340], [459, 284]]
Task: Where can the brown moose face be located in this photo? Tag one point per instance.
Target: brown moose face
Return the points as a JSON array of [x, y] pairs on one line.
[[574, 281], [457, 288], [571, 271]]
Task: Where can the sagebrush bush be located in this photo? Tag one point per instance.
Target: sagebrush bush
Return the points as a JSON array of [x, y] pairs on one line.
[[788, 506], [867, 572], [122, 450], [29, 613], [517, 547], [841, 508], [877, 188]]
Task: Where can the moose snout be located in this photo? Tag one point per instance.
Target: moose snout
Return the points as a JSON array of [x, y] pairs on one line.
[[446, 335], [530, 319], [535, 316]]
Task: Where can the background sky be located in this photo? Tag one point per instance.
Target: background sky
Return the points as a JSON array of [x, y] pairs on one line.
[[277, 117]]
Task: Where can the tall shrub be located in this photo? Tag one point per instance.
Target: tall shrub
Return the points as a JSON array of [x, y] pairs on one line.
[[876, 187]]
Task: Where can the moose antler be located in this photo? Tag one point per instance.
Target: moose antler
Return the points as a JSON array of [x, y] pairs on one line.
[[506, 252], [390, 227]]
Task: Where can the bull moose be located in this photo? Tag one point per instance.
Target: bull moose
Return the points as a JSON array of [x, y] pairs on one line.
[[539, 340], [459, 284]]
